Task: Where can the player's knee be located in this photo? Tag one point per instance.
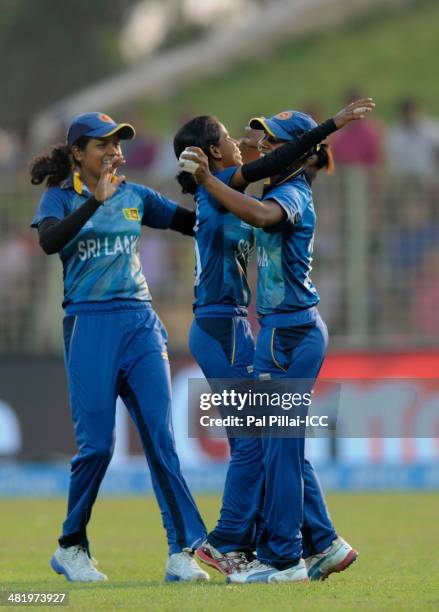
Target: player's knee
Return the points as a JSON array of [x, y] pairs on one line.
[[101, 452]]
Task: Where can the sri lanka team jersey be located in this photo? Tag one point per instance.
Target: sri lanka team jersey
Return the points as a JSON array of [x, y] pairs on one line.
[[285, 252], [102, 262], [223, 244]]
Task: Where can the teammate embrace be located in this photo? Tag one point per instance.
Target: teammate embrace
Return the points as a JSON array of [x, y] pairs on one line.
[[273, 503], [115, 344]]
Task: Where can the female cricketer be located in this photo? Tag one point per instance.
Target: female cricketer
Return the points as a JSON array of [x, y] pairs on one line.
[[223, 244], [115, 344]]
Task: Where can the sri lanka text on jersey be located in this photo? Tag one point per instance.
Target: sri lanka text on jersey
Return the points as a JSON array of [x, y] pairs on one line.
[[108, 245]]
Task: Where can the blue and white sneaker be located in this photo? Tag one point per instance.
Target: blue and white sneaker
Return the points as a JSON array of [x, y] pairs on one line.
[[336, 558], [260, 572], [76, 565], [182, 567]]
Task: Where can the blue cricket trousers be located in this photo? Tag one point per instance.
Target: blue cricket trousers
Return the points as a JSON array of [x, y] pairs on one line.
[[120, 349], [224, 348], [293, 499]]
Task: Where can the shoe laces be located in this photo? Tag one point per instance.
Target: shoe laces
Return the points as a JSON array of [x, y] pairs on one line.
[[238, 559], [189, 556], [257, 565], [78, 551], [80, 557]]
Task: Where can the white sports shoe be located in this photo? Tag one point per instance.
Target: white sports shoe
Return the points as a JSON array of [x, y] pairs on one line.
[[183, 567], [339, 556], [260, 572], [226, 563], [76, 565]]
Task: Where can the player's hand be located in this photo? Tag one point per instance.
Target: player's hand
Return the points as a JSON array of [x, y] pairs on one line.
[[109, 181], [354, 111], [200, 167]]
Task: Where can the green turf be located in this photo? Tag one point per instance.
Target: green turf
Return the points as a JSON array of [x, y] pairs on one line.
[[396, 535], [388, 54]]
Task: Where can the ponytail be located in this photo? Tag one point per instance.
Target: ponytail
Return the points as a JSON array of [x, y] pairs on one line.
[[56, 166], [325, 158]]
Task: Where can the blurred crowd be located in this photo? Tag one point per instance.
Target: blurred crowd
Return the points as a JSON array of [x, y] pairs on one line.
[[382, 261], [408, 146]]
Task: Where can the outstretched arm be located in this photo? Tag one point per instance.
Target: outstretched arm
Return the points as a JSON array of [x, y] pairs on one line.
[[183, 221], [279, 159]]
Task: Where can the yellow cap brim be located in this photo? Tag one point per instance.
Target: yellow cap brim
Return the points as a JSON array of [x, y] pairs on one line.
[[259, 123], [126, 130]]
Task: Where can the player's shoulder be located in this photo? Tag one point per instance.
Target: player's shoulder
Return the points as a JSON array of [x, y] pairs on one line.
[[129, 186], [54, 202], [206, 204], [225, 175], [57, 193], [138, 189], [297, 186]]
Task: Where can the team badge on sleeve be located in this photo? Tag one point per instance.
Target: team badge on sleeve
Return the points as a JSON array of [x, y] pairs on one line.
[[131, 214]]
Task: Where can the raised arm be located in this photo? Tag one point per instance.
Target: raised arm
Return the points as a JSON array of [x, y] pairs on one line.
[[54, 233], [279, 159]]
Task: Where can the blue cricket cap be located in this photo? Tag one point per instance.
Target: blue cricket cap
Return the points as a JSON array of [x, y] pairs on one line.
[[287, 125], [97, 125]]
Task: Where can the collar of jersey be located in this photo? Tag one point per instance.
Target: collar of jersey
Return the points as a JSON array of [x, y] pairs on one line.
[[74, 182], [283, 179]]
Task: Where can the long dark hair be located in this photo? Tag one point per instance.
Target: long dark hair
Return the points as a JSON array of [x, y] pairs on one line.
[[325, 158], [201, 132], [56, 165]]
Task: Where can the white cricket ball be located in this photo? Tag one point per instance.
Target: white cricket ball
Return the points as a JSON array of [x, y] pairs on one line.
[[361, 110], [187, 165]]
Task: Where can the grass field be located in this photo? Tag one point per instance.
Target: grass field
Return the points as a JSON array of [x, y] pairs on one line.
[[389, 54], [396, 534]]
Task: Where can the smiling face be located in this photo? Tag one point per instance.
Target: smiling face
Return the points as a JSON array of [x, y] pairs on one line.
[[226, 152], [96, 152]]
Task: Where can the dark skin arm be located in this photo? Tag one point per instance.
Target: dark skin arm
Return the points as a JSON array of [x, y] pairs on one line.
[[254, 212]]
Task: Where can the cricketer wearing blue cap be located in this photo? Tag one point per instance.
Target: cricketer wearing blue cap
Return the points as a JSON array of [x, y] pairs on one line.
[[114, 342], [221, 339], [292, 344]]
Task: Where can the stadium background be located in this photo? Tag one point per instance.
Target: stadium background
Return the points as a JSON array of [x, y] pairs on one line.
[[377, 246]]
